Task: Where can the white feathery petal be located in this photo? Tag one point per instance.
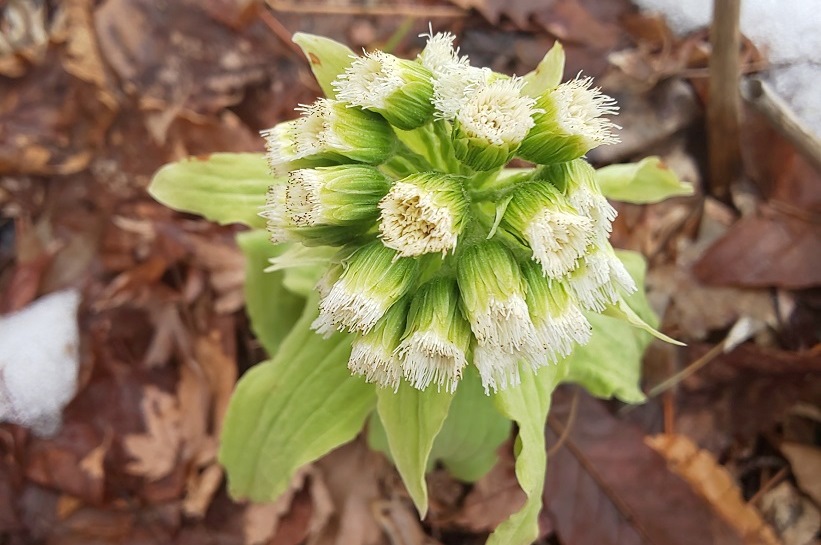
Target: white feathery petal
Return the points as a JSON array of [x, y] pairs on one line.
[[275, 214], [280, 144], [498, 112], [558, 240], [412, 224], [596, 207], [453, 84], [596, 283], [302, 202], [498, 369], [314, 130], [439, 52], [343, 309], [504, 324], [429, 358], [557, 336], [374, 363], [369, 81], [580, 109]]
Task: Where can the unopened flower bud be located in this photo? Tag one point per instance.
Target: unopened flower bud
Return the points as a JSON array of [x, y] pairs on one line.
[[570, 123], [492, 123], [399, 89], [423, 213], [599, 278], [558, 320], [375, 278], [373, 355], [328, 132], [558, 236], [493, 296], [437, 338], [345, 195]]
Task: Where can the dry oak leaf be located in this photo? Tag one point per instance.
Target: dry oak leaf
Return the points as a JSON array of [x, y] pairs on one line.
[[155, 452], [805, 461], [715, 484]]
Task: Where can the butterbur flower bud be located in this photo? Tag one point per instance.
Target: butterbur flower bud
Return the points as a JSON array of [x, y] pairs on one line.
[[491, 123], [557, 318], [398, 89], [340, 195], [329, 131], [423, 213], [570, 123], [577, 180], [600, 276], [277, 220], [375, 278], [493, 296], [373, 355], [558, 236], [437, 338], [498, 368]]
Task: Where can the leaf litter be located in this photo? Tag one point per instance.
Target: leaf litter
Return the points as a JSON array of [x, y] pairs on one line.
[[163, 337]]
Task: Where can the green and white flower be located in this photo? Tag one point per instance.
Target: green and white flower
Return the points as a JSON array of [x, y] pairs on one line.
[[328, 132], [600, 279], [373, 355], [493, 296], [555, 232], [557, 318], [570, 123], [498, 368], [375, 277], [399, 89], [423, 213], [577, 180], [338, 195], [278, 220], [437, 339], [491, 123]]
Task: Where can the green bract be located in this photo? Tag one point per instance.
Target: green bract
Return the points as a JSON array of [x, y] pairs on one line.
[[459, 293]]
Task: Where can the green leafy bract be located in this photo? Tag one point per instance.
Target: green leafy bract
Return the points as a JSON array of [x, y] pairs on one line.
[[411, 419], [328, 58], [223, 187], [548, 74], [647, 181], [527, 405], [271, 307], [292, 410]]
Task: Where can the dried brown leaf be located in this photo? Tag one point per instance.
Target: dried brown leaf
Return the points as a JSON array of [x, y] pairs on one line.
[[805, 461], [715, 484], [155, 452], [605, 472], [793, 516]]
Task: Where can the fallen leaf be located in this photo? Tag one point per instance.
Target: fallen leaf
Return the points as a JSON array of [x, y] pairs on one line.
[[603, 471], [155, 452], [715, 484], [805, 461], [793, 516]]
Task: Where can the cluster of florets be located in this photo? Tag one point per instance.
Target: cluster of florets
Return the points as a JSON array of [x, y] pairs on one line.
[[444, 258]]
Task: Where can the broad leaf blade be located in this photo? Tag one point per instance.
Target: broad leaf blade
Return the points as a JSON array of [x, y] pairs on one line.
[[328, 58], [412, 419], [472, 432], [548, 74], [272, 308], [223, 187], [290, 411], [527, 405], [647, 181]]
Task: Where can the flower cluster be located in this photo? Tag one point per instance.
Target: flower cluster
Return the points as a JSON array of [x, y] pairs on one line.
[[446, 259]]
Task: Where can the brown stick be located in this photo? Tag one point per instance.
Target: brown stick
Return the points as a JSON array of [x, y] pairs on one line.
[[724, 107], [759, 95]]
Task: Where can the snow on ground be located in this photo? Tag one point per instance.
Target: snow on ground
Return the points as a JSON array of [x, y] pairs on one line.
[[789, 31], [39, 356]]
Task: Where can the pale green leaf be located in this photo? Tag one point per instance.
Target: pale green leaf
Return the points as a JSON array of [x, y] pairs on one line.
[[610, 363], [527, 405], [647, 181], [622, 311], [222, 187], [547, 75], [412, 418], [328, 58], [292, 410], [472, 432], [272, 308]]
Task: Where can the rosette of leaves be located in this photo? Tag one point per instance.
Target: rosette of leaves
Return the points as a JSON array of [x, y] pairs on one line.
[[401, 278]]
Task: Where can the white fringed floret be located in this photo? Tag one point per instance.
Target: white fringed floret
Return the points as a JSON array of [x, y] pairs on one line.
[[275, 214], [344, 309], [503, 324], [427, 358], [597, 282], [370, 80], [580, 109], [412, 224], [498, 112], [498, 369], [374, 363], [302, 200], [558, 240]]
